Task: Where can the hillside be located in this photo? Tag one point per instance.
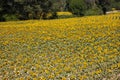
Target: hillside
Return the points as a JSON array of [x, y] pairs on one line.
[[86, 48]]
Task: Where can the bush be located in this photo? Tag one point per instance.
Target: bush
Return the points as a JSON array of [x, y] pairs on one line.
[[77, 7], [116, 5], [8, 17], [93, 11]]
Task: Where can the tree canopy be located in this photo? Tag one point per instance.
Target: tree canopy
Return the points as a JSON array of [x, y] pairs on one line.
[[46, 9]]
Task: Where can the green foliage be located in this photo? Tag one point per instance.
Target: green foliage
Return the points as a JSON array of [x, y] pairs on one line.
[[116, 5], [40, 9], [92, 7], [0, 9], [93, 11], [109, 4], [26, 9], [8, 17], [77, 7]]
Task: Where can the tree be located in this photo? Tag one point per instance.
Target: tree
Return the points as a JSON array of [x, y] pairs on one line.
[[107, 5], [26, 9], [6, 7], [77, 7], [67, 5]]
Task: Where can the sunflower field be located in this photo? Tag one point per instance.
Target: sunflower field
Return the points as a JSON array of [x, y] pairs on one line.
[[86, 48]]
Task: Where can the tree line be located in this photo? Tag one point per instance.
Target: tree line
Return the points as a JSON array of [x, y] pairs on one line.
[[92, 7], [46, 9]]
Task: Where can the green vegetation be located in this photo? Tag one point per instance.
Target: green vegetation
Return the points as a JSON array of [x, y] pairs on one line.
[[93, 11], [46, 9], [78, 7]]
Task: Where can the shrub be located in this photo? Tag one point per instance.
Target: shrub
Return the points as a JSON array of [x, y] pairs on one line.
[[8, 17], [77, 7], [93, 11]]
